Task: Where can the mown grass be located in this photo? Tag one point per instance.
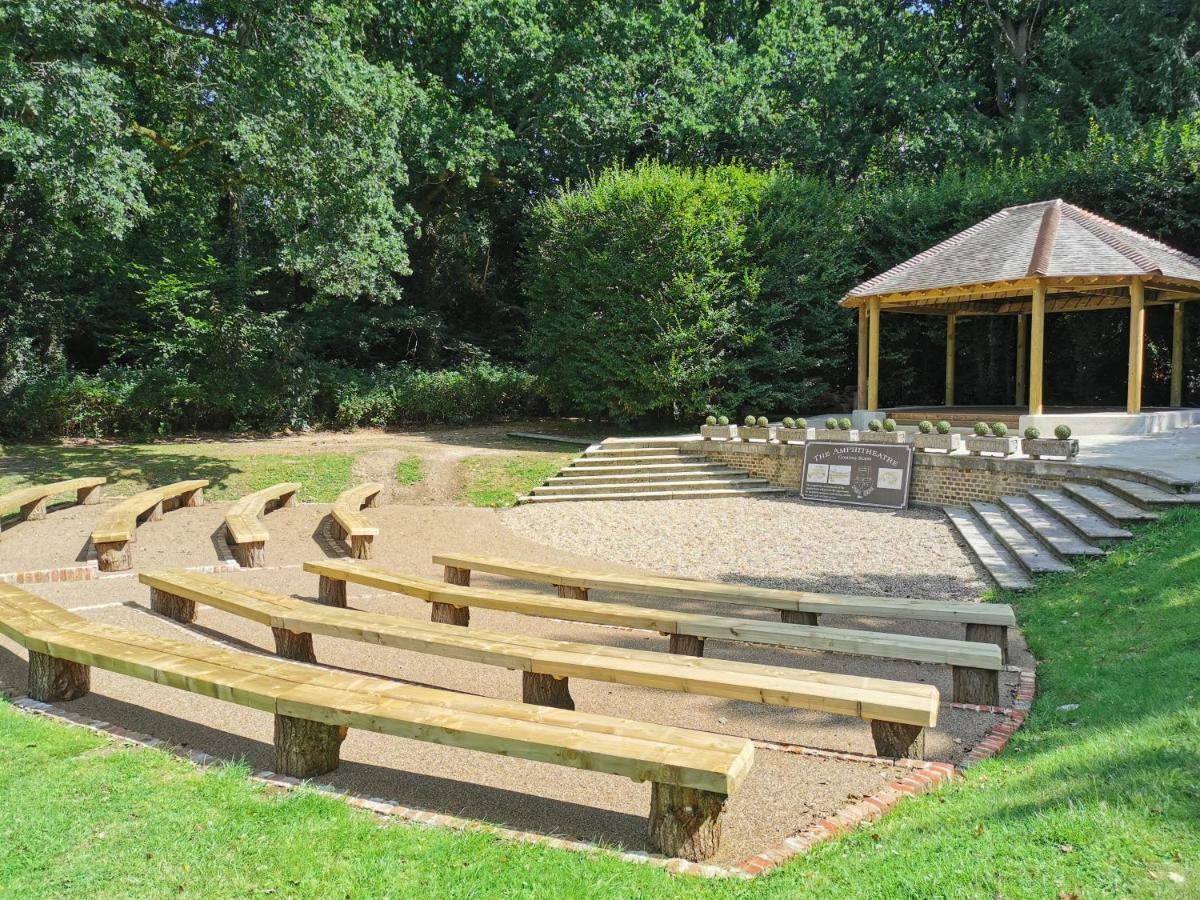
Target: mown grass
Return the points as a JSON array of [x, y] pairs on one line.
[[410, 470], [499, 481], [133, 467], [1102, 800]]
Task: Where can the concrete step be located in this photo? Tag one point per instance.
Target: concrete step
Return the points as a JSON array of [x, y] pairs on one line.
[[994, 556], [629, 467], [665, 441], [1048, 528], [1106, 504], [641, 488], [628, 452], [1078, 517], [697, 493], [598, 461], [1147, 496], [603, 477], [1033, 556]]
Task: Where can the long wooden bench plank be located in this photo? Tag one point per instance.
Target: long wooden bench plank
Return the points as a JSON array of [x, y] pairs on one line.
[[543, 660], [116, 528], [31, 500], [348, 521], [975, 666], [692, 772], [247, 533]]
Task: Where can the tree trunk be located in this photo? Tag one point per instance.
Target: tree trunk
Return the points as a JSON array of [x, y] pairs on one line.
[[546, 690], [294, 645], [52, 680], [251, 555], [455, 575], [331, 592], [305, 749], [449, 614], [898, 741], [194, 498], [976, 686], [89, 496], [178, 608], [156, 513], [687, 645], [990, 634], [684, 822], [796, 617], [32, 512], [114, 557], [568, 592], [360, 546]]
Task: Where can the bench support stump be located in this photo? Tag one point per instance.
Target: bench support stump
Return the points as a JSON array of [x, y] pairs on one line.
[[305, 749], [546, 690], [32, 512], [114, 557], [455, 575], [898, 741], [294, 645], [796, 617], [684, 822], [687, 645], [89, 496], [331, 592], [448, 614], [567, 592], [52, 679], [990, 634], [976, 686], [155, 513], [178, 608], [251, 555], [192, 498], [360, 546]]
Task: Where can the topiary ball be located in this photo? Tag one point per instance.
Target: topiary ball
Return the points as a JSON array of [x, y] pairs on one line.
[[711, 420], [889, 424], [722, 420], [1032, 433], [762, 422], [844, 424], [789, 422], [999, 429], [802, 423], [875, 425], [749, 421], [925, 426], [1062, 432], [831, 423], [943, 427], [981, 429]]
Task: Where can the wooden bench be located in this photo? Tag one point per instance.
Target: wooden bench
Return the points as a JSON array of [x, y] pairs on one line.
[[899, 712], [692, 772], [31, 501], [986, 622], [348, 521], [246, 532], [976, 666], [117, 528]]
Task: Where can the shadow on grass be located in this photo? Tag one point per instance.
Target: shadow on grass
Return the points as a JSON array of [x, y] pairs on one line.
[[127, 468]]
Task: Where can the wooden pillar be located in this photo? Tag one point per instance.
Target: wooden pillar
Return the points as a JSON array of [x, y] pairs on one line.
[[873, 356], [181, 609], [1022, 360], [1037, 344], [331, 592], [898, 741], [305, 749], [569, 592], [975, 686], [1137, 343], [684, 821], [1177, 355], [990, 634], [447, 613], [951, 332], [686, 645], [860, 396], [797, 617], [52, 680], [546, 690]]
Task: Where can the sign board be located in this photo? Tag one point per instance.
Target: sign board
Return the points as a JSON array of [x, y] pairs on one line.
[[858, 474]]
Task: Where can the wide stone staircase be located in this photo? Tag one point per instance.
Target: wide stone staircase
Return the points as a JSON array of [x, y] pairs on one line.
[[645, 469], [1045, 530]]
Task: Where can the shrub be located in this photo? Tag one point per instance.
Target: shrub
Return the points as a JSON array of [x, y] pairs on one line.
[[889, 424], [925, 426], [831, 424], [749, 421], [1063, 432], [943, 427], [711, 420], [1032, 433], [999, 429], [981, 429], [801, 423], [875, 425], [789, 422], [722, 420], [762, 422], [844, 424]]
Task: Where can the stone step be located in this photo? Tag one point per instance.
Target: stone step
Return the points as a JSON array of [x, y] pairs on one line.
[[628, 452], [597, 461], [602, 477], [1147, 496], [1048, 528], [656, 494], [656, 486], [1106, 504], [1078, 517], [666, 441], [1033, 556], [629, 468], [996, 559]]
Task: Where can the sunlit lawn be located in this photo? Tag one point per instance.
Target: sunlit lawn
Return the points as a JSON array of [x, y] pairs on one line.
[[501, 480]]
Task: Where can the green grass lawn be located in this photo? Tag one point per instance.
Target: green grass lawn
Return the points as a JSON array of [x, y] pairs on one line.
[[500, 480], [1102, 800], [133, 467], [410, 470]]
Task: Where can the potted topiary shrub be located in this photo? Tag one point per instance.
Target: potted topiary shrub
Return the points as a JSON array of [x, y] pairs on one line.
[[794, 431], [991, 439], [757, 429], [837, 429], [718, 428], [883, 433], [938, 438], [1061, 446]]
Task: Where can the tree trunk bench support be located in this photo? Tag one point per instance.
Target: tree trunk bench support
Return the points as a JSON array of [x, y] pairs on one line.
[[88, 496], [449, 614], [35, 511], [173, 607], [251, 555], [686, 645], [331, 592], [546, 690], [306, 749], [53, 680], [155, 513], [572, 593], [976, 686], [114, 557], [294, 645], [684, 822], [898, 741], [990, 634], [796, 617], [360, 546]]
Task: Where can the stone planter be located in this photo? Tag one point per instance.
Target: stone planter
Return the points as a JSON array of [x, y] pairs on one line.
[[946, 443], [754, 433], [719, 432], [1036, 448], [1000, 446], [884, 437], [835, 434], [794, 435]]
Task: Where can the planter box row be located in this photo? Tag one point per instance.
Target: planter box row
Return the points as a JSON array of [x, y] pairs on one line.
[[930, 443], [799, 435]]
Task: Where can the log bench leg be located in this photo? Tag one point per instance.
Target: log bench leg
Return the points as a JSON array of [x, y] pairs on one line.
[[294, 645], [449, 614], [455, 575], [546, 690], [305, 749], [331, 592], [371, 502], [360, 546], [193, 498], [52, 680], [687, 645], [990, 634], [155, 513], [684, 822], [568, 592], [336, 530], [898, 741], [114, 557], [88, 496], [173, 607], [796, 617], [251, 555], [976, 686], [32, 512]]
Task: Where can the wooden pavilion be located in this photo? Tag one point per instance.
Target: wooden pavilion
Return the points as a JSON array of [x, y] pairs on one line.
[[1027, 261]]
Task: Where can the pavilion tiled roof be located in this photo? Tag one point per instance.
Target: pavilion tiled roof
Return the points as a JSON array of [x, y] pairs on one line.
[[1048, 239]]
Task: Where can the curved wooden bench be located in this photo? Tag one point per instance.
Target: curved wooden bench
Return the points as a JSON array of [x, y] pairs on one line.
[[115, 532], [986, 622], [246, 532], [976, 666], [899, 712], [31, 501], [692, 771], [348, 521]]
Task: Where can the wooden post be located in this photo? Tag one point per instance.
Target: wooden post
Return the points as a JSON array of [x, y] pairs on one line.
[[687, 645], [88, 496], [572, 593], [951, 329], [304, 749], [52, 680], [976, 686], [797, 617], [1137, 344], [898, 741], [31, 512], [331, 592], [455, 575], [156, 513], [684, 822], [1177, 355], [178, 608], [251, 555], [294, 645], [114, 557], [860, 395], [360, 546], [873, 356], [447, 613], [194, 498], [546, 690], [1037, 345], [990, 634], [1022, 360]]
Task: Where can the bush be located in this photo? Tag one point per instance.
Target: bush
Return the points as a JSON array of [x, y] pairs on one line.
[[875, 425], [943, 427], [801, 423], [1063, 432], [844, 424], [789, 422], [981, 429], [999, 429], [762, 422], [889, 424], [831, 424], [749, 421], [722, 420], [711, 420], [925, 426], [1032, 433]]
